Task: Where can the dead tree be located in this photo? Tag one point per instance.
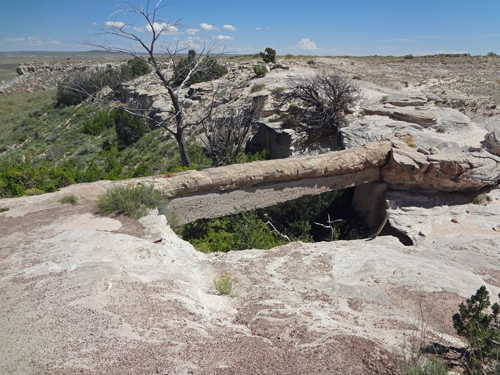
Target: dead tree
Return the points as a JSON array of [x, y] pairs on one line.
[[226, 133], [323, 98], [143, 43]]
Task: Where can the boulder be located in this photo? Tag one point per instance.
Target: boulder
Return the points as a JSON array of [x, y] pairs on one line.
[[492, 138]]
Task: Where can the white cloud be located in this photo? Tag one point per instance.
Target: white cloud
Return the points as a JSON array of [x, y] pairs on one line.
[[192, 31], [207, 27], [114, 24], [259, 28], [94, 23], [163, 27], [307, 44], [230, 28], [223, 37], [189, 44], [32, 39], [53, 42]]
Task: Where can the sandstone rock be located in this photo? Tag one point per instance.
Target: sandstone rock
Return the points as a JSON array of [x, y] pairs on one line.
[[403, 101], [188, 103], [451, 132], [278, 141], [122, 294], [492, 138], [408, 168], [421, 117]]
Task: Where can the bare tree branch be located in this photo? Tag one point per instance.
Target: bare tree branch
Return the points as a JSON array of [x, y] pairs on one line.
[[324, 98], [164, 66]]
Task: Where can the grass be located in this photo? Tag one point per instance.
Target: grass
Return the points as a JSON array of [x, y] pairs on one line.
[[257, 87], [278, 91], [431, 367], [69, 199], [225, 284], [482, 199], [133, 201]]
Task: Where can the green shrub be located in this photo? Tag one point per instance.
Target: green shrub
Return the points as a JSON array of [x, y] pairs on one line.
[[257, 87], [480, 329], [481, 199], [76, 88], [129, 128], [225, 283], [236, 232], [69, 199], [269, 56], [431, 367], [207, 70], [3, 209], [277, 91], [311, 62], [260, 71], [290, 121], [134, 201], [33, 191], [138, 67], [98, 124], [248, 158], [408, 57]]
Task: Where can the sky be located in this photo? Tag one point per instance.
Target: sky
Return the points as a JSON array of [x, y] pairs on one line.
[[305, 27]]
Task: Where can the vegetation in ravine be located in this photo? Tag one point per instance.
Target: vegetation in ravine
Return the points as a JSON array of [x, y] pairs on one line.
[[302, 219]]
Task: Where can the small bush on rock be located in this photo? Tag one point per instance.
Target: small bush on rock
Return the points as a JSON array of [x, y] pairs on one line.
[[69, 199], [133, 201], [432, 367], [260, 71], [225, 283], [258, 87], [481, 199]]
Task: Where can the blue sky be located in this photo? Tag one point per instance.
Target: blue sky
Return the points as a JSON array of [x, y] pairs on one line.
[[308, 27]]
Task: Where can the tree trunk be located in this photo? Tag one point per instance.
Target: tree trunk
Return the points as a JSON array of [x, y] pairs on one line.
[[179, 136]]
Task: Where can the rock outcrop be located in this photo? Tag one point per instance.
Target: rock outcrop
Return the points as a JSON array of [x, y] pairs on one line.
[[76, 293]]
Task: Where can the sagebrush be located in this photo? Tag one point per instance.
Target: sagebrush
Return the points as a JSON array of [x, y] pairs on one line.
[[133, 201]]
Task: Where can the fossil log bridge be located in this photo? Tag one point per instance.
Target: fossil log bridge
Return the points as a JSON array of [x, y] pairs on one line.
[[371, 168]]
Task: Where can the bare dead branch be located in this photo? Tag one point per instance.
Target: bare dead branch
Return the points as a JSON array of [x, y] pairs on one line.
[[276, 231], [323, 98]]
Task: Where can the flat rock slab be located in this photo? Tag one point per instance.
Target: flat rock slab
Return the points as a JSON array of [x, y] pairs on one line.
[[72, 299]]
